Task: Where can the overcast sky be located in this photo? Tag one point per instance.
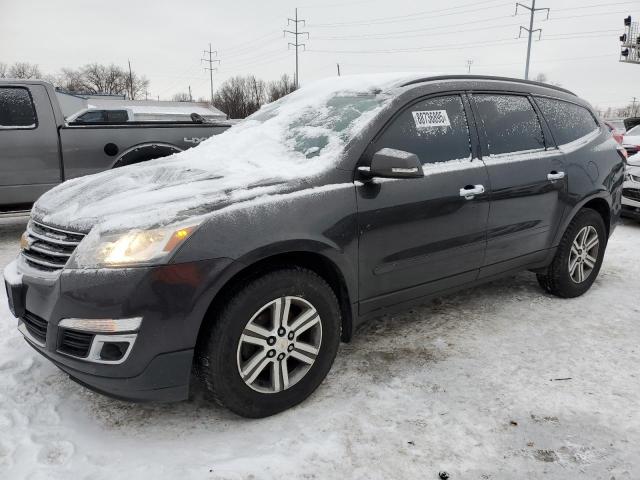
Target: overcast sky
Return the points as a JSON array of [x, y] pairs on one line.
[[165, 39]]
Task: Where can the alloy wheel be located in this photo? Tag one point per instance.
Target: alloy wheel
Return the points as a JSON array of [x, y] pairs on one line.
[[279, 344], [584, 254]]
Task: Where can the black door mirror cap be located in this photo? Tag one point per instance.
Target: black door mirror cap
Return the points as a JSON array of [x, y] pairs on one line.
[[392, 163]]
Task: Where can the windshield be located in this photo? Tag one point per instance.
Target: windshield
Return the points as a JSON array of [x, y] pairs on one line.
[[309, 130]]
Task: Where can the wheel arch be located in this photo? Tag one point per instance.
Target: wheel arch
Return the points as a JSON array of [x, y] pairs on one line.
[[253, 266], [145, 151], [600, 202]]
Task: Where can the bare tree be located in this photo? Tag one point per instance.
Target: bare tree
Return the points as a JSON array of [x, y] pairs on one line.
[[3, 70], [240, 96], [24, 70], [279, 88], [104, 79], [140, 85], [181, 97]]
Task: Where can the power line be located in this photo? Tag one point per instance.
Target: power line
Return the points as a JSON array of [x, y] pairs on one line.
[[446, 47], [413, 16], [210, 61], [296, 43]]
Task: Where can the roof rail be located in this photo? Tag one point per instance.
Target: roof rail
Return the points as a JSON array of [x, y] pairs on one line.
[[487, 77]]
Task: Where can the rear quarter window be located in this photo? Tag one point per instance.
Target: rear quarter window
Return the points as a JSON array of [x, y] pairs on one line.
[[16, 108], [510, 123], [568, 121]]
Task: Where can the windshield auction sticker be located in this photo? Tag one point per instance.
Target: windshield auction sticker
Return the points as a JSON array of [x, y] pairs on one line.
[[431, 118]]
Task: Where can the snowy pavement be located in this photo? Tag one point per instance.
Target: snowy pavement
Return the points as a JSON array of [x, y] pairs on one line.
[[498, 382]]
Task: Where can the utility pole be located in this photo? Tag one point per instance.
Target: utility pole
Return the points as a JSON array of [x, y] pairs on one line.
[[469, 63], [338, 65], [532, 12], [130, 81], [210, 61], [296, 44], [633, 107], [190, 98]]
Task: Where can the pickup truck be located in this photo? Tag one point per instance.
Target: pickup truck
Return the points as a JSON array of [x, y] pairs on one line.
[[39, 149]]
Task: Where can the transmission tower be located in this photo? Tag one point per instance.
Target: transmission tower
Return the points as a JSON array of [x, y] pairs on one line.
[[210, 61], [532, 11], [296, 43]]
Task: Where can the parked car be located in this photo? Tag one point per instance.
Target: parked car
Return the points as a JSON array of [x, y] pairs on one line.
[[631, 140], [631, 188], [617, 134], [250, 257], [40, 150]]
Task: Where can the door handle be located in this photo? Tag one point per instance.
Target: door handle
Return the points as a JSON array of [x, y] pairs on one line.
[[470, 191], [553, 175]]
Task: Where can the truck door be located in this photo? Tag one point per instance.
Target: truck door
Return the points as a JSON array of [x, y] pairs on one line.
[[29, 156]]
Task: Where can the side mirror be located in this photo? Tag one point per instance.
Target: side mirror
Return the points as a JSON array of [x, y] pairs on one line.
[[392, 163]]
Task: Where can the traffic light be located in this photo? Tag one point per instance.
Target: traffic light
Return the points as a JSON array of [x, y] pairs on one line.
[[627, 21]]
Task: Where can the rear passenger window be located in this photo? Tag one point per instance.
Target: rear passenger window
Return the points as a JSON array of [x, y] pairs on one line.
[[510, 123], [568, 122], [16, 108], [435, 130]]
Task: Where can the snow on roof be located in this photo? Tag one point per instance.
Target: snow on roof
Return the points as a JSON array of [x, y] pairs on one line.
[[295, 138]]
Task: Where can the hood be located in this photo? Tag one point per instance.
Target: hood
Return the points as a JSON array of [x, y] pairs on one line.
[[159, 192], [287, 145], [631, 140], [634, 160]]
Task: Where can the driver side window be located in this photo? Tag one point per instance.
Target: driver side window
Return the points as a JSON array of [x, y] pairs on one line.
[[435, 129]]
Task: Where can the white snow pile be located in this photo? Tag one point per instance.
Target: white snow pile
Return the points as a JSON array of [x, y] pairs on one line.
[[289, 141]]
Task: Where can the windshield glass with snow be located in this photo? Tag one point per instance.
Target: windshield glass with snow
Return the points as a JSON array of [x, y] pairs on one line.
[[311, 130]]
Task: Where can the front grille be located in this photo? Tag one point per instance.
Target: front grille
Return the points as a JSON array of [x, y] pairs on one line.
[[631, 193], [36, 326], [48, 248], [75, 343]]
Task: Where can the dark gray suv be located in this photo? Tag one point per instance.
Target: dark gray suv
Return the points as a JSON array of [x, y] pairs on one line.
[[248, 258]]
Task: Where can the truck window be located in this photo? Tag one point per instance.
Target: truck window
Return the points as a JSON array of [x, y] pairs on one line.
[[568, 121], [117, 116], [91, 116], [435, 130], [510, 123], [16, 108]]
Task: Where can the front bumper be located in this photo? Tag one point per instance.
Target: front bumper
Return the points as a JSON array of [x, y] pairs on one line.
[[171, 299]]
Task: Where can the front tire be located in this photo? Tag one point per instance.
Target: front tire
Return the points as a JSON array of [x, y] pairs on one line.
[[578, 259], [272, 344]]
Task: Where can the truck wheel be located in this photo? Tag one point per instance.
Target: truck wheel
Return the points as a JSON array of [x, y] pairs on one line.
[[577, 261], [272, 344]]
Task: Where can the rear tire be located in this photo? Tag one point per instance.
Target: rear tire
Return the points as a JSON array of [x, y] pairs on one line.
[[578, 259], [271, 344]]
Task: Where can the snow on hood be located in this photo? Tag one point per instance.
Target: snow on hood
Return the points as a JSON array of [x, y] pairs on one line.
[[280, 148]]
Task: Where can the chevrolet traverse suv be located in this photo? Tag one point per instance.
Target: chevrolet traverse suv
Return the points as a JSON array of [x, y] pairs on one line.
[[249, 258]]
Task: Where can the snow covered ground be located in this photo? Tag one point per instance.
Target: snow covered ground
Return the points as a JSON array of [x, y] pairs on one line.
[[498, 382]]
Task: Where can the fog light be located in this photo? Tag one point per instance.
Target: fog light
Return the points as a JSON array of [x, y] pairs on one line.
[[104, 325], [113, 351]]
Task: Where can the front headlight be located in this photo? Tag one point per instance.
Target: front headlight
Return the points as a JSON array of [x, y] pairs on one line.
[[137, 247]]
